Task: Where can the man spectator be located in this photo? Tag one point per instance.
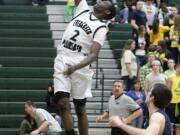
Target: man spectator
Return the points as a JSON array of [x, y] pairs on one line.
[[146, 69], [45, 122], [138, 18], [150, 10]]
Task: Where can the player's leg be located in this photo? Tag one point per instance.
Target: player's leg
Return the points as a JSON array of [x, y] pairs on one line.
[[65, 111], [82, 116]]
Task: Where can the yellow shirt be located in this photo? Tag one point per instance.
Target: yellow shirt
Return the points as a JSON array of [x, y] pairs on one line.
[[175, 89], [174, 43], [154, 39], [71, 3]]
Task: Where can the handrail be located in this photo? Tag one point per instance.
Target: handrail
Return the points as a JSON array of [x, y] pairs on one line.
[[102, 94], [97, 67]]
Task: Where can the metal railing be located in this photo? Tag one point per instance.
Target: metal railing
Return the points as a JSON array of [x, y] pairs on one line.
[[102, 92]]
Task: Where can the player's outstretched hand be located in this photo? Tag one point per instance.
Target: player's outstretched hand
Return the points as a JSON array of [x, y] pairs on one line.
[[115, 121], [70, 70]]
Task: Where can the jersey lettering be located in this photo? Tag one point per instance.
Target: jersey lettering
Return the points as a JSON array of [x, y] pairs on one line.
[[72, 46], [82, 25], [73, 38]]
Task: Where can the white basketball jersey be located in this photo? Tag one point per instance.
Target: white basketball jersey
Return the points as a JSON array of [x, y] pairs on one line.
[[82, 31]]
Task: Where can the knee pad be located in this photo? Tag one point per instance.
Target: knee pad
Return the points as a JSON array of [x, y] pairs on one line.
[[79, 102]]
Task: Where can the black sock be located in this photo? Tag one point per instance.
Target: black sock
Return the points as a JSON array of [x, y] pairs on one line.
[[70, 132]]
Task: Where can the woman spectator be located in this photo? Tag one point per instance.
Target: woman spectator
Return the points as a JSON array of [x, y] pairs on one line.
[[137, 94], [157, 32], [142, 43], [174, 37], [128, 63], [164, 53]]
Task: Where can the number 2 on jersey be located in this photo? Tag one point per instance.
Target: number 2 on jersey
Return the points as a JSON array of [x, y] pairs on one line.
[[73, 38]]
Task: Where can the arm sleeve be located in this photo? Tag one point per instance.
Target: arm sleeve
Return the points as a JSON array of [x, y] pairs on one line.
[[127, 57], [132, 105], [100, 35], [165, 28], [41, 115]]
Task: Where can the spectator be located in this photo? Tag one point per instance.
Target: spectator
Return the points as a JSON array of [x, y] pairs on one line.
[[46, 124], [159, 123], [146, 69], [173, 110], [137, 94], [128, 63], [129, 5], [164, 53], [150, 10], [51, 103], [70, 10], [138, 18], [157, 32], [169, 19], [170, 71], [174, 37], [154, 77], [27, 125], [122, 106], [142, 43], [162, 13]]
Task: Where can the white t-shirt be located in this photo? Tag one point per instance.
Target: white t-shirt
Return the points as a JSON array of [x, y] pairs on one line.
[[130, 58], [150, 11], [41, 115], [82, 31]]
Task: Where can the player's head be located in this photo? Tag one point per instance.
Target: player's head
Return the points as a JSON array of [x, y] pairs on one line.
[[104, 10], [29, 108], [160, 96]]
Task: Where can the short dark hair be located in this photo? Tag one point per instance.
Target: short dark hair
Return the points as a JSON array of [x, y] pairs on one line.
[[112, 9], [162, 95], [30, 103]]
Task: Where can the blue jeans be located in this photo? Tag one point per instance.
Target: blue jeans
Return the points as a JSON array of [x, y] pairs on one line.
[[138, 122], [128, 82], [125, 14]]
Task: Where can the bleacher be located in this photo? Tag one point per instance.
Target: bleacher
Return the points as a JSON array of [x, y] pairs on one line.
[[27, 38]]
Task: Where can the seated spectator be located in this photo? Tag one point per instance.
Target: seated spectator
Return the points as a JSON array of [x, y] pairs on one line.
[[46, 124], [121, 105], [129, 64], [27, 125], [170, 71], [128, 6], [157, 32], [137, 94], [138, 18]]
